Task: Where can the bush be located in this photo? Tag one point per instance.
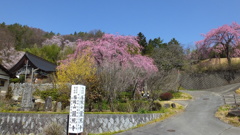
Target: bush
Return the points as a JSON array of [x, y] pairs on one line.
[[37, 92], [156, 106], [124, 96], [105, 105], [56, 96], [64, 99], [50, 92], [124, 107], [53, 129], [176, 94], [166, 96], [238, 91], [21, 79], [138, 105], [143, 111], [14, 80]]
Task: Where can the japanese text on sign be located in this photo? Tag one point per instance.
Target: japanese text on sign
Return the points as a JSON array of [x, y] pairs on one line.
[[76, 115]]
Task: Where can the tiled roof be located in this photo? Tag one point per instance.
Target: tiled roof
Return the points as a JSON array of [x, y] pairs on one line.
[[35, 62]]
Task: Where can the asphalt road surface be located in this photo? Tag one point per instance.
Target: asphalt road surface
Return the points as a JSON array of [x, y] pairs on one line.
[[197, 119]]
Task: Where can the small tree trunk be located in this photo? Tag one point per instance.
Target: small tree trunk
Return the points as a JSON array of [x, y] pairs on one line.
[[228, 54], [134, 90]]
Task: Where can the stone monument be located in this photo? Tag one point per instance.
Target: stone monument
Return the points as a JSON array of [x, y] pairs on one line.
[[48, 104], [27, 103]]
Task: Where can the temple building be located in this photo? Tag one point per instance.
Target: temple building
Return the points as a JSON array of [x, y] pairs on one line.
[[34, 69]]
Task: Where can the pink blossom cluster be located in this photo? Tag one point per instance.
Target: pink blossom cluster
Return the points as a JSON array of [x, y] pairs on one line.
[[123, 50], [60, 41], [221, 39]]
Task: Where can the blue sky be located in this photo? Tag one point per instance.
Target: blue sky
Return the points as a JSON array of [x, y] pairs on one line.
[[184, 20]]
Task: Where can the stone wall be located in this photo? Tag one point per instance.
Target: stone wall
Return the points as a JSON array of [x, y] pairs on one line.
[[208, 80], [18, 88], [18, 123]]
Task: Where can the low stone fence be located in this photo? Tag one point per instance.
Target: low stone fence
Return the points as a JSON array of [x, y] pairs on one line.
[[18, 88], [23, 123]]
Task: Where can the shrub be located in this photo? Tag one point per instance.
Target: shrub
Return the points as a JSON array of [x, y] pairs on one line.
[[143, 111], [238, 91], [53, 129], [156, 106], [124, 107], [64, 99], [166, 96], [21, 79], [105, 105], [50, 92], [139, 105], [37, 92], [8, 105], [124, 96], [14, 80], [176, 94]]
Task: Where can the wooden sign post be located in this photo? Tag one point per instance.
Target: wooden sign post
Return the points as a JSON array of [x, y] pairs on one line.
[[76, 114]]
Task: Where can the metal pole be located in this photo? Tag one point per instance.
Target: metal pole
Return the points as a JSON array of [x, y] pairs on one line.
[[67, 123], [235, 99]]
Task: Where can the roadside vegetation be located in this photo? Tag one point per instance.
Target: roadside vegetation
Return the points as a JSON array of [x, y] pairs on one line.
[[238, 91], [222, 114], [123, 105]]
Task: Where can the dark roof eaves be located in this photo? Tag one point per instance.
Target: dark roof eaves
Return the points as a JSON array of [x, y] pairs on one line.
[[29, 56]]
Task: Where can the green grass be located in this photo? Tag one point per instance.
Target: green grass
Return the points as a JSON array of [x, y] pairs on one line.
[[181, 95]]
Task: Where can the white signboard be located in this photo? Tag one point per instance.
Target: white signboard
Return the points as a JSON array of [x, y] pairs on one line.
[[76, 115]]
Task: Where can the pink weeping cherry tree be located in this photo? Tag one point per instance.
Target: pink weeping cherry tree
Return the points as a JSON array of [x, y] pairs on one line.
[[118, 60], [110, 48], [222, 40]]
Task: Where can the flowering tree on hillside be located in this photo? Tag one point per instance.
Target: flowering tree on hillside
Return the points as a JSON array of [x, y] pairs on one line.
[[119, 62], [79, 71], [123, 50], [223, 40]]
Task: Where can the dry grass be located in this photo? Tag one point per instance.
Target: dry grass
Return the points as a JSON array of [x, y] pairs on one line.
[[222, 115], [215, 64], [220, 61], [181, 96], [238, 91]]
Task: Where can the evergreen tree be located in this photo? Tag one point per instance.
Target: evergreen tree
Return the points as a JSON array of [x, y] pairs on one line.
[[143, 42], [173, 41], [155, 43]]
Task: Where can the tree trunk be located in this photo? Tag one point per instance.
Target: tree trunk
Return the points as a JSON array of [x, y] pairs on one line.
[[228, 54], [134, 90]]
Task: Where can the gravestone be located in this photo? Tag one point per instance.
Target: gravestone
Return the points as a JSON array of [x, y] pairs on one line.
[[67, 109], [54, 106], [27, 103], [59, 106], [48, 104]]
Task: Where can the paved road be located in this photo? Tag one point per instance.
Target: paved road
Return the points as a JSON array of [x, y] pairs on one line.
[[198, 118]]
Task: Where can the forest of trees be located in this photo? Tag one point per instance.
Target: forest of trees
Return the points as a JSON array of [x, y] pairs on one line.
[[54, 47]]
